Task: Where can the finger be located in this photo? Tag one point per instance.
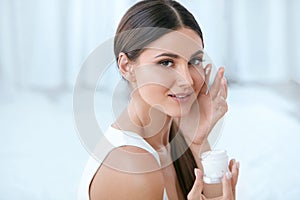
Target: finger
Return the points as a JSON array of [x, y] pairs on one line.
[[235, 173], [227, 187], [197, 188], [222, 91], [220, 107], [225, 87], [207, 71], [234, 167], [217, 83], [231, 163]]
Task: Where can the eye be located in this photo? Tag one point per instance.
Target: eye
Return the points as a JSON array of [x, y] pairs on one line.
[[196, 61], [166, 63]]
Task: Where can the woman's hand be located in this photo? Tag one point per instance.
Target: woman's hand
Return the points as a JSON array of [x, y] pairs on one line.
[[229, 182], [212, 103], [207, 110]]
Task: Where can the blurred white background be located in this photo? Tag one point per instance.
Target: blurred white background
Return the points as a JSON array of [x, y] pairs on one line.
[[44, 43]]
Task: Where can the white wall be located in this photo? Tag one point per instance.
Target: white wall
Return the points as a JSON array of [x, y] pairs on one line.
[[294, 39], [44, 43], [211, 16], [258, 40]]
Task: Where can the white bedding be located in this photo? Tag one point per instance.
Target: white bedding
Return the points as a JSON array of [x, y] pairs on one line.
[[42, 158]]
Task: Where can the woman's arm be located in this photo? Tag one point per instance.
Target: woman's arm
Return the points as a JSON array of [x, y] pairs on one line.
[[113, 184]]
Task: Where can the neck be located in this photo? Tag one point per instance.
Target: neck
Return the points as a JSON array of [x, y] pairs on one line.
[[149, 122]]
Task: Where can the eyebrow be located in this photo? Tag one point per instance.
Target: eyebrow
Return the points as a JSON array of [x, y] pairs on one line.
[[197, 52], [176, 56], [168, 55]]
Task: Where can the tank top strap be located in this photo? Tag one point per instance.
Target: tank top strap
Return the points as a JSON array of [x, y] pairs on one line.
[[118, 138]]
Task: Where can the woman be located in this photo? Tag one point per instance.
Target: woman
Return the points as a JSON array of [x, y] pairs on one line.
[[157, 140]]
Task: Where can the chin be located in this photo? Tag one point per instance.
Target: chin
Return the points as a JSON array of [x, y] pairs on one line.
[[179, 113]]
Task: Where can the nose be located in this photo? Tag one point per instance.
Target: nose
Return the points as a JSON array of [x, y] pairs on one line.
[[185, 78]]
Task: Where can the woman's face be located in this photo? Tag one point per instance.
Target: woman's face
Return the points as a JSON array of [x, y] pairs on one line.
[[169, 72]]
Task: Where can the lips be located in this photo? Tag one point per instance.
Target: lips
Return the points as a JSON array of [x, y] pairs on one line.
[[181, 97]]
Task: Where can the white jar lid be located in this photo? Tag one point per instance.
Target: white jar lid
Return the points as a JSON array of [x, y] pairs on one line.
[[214, 155]]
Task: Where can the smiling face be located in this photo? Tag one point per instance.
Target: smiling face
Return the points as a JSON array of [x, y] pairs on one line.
[[169, 72]]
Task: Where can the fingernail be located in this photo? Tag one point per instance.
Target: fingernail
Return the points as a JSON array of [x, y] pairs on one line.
[[228, 175], [196, 173], [207, 69], [238, 165], [233, 162]]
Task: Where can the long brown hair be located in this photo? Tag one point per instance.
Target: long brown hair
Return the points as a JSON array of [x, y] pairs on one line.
[[143, 23]]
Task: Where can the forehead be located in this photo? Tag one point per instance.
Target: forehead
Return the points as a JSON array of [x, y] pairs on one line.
[[183, 42]]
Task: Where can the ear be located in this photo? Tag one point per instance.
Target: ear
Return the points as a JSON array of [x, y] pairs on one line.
[[125, 67]]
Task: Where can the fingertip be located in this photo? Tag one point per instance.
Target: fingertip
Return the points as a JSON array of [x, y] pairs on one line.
[[233, 161], [208, 65], [198, 184], [238, 165], [222, 71], [198, 173], [208, 69], [195, 172], [222, 68]]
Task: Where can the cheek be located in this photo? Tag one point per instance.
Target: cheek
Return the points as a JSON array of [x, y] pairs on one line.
[[154, 77], [152, 93], [198, 77]]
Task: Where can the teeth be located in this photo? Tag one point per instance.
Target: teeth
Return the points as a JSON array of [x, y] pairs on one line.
[[179, 96]]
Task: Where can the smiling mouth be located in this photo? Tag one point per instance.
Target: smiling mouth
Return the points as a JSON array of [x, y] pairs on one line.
[[180, 97]]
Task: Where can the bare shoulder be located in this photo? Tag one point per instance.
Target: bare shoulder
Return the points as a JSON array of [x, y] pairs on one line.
[[128, 173]]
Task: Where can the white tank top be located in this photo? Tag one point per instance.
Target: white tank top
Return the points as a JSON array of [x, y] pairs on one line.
[[117, 138]]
